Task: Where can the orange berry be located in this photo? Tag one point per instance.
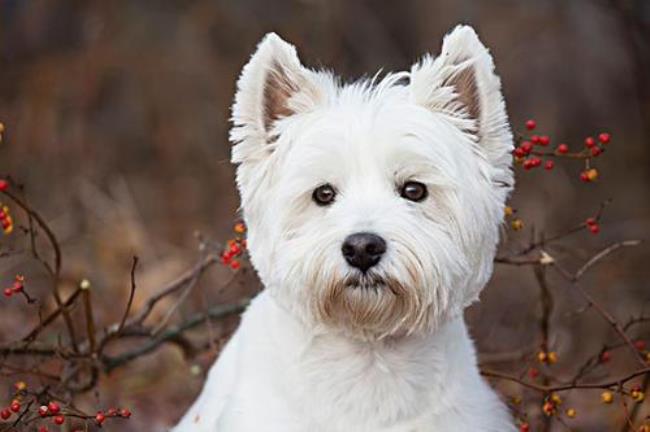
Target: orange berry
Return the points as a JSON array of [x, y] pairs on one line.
[[548, 408], [592, 174], [637, 395], [517, 224], [606, 397], [556, 399]]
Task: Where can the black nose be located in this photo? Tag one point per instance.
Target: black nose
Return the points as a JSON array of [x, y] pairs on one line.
[[363, 250]]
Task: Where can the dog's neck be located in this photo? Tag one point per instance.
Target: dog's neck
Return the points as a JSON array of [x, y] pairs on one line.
[[387, 379]]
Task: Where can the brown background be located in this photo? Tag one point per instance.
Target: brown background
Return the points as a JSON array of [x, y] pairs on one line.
[[117, 116]]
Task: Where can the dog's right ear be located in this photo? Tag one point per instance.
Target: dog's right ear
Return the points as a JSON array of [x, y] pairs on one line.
[[272, 86]]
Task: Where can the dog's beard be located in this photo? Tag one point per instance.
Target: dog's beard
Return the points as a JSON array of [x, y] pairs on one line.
[[371, 305]]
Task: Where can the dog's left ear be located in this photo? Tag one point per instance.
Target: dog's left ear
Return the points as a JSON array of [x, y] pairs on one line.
[[461, 82], [273, 85]]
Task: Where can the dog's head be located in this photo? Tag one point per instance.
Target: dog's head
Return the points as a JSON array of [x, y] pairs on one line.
[[373, 207]]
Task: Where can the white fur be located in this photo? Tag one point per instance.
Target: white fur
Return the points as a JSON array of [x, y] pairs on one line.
[[310, 356]]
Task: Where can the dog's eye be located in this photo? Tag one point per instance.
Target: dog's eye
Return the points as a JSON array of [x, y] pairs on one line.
[[324, 195], [414, 191]]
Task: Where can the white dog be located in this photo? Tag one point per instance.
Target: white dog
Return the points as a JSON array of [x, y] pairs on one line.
[[373, 211]]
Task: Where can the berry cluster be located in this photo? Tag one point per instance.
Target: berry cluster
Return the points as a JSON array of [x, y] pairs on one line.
[[515, 223], [53, 410], [592, 225], [13, 407], [548, 358], [236, 247], [636, 393], [6, 221], [17, 287], [530, 152], [550, 407]]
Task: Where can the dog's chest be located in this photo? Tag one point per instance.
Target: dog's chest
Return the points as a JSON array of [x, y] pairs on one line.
[[352, 382]]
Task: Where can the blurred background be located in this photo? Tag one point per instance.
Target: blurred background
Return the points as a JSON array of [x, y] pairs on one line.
[[116, 117]]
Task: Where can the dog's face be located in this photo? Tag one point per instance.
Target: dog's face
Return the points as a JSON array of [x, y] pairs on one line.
[[373, 207]]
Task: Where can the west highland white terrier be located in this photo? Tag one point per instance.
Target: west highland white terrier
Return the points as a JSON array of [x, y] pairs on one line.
[[373, 213]]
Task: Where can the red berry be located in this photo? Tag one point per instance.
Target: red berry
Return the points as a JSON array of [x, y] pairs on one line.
[[54, 407], [590, 142], [605, 357], [59, 419], [226, 257], [596, 151], [42, 429], [18, 287], [43, 410], [8, 292], [591, 221], [3, 215], [519, 152], [4, 185], [15, 406], [548, 165], [604, 138], [112, 412], [100, 417], [5, 414], [595, 228], [584, 176], [531, 124], [533, 373], [640, 345], [235, 249], [563, 149], [544, 140], [235, 265], [534, 139], [125, 413], [524, 427], [527, 146], [536, 162]]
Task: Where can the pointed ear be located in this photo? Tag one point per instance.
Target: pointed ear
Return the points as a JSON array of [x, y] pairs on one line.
[[273, 85], [461, 82]]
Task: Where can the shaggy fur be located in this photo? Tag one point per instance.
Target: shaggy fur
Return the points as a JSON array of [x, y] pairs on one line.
[[325, 347]]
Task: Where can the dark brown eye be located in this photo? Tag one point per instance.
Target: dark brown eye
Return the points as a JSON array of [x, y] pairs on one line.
[[324, 195], [414, 191]]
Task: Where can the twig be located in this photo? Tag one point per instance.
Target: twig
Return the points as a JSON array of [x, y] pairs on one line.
[[131, 295], [216, 312], [564, 387], [173, 287]]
